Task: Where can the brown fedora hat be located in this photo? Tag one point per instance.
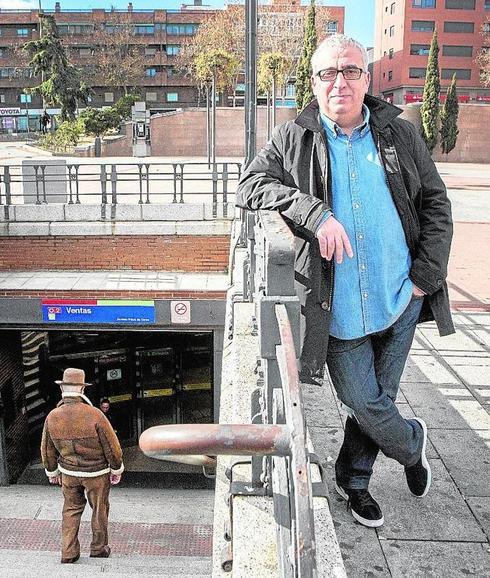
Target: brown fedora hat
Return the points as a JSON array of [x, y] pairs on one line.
[[72, 376]]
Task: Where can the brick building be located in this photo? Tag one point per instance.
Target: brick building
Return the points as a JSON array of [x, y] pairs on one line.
[[403, 35], [161, 33]]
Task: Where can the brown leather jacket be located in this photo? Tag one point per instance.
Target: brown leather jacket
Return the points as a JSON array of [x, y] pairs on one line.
[[78, 440]]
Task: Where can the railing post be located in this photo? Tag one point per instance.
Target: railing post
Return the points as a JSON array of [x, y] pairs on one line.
[[225, 189], [114, 184], [8, 199], [103, 183], [4, 477]]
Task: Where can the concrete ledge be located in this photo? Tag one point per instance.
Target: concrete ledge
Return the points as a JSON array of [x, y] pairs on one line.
[[135, 228], [83, 212], [37, 213], [79, 229], [203, 228], [125, 212], [173, 212], [28, 229]]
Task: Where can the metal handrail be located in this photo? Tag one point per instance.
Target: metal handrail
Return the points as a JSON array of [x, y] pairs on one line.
[[43, 182]]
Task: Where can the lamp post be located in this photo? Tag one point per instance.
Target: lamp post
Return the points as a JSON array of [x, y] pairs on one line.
[[26, 98], [250, 80]]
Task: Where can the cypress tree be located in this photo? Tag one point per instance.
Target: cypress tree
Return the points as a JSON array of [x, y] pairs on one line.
[[429, 110], [304, 92], [449, 119]]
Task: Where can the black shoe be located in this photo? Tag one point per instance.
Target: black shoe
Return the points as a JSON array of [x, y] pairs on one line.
[[363, 506], [419, 476], [70, 560], [106, 552]]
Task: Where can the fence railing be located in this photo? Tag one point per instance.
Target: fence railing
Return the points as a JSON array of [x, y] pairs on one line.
[[46, 182], [276, 436]]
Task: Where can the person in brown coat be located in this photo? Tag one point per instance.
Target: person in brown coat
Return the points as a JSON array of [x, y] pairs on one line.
[[81, 452]]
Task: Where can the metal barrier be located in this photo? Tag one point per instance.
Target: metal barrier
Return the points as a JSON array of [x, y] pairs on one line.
[[276, 437], [112, 183]]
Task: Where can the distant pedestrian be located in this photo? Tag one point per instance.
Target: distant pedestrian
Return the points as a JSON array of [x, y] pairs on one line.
[[45, 121], [81, 452], [105, 407]]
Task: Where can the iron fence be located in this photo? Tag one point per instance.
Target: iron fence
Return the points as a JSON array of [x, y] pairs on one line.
[[45, 182]]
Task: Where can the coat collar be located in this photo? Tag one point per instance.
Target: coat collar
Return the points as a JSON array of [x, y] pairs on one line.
[[381, 114], [72, 397]]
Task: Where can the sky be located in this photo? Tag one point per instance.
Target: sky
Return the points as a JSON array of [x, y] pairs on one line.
[[359, 14]]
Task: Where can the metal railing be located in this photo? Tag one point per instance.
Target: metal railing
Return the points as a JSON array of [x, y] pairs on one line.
[[42, 182], [276, 437]]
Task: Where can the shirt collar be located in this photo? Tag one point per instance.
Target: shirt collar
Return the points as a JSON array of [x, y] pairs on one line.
[[334, 130], [74, 394]]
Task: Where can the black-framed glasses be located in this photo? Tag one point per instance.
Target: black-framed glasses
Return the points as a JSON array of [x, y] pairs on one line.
[[349, 73]]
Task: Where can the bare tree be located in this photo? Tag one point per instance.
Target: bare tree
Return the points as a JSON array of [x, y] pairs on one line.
[[483, 58]]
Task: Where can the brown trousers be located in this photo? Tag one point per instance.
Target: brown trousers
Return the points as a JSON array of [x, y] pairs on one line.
[[97, 490]]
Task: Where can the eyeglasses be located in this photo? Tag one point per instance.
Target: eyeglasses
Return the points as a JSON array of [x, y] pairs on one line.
[[349, 73]]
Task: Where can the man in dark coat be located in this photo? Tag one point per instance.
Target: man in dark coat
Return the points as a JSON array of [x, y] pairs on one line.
[[81, 452], [373, 229]]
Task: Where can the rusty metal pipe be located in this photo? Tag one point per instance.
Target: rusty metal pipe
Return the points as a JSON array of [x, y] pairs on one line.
[[215, 439]]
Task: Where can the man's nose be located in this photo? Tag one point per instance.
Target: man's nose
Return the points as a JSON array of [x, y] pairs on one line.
[[339, 80]]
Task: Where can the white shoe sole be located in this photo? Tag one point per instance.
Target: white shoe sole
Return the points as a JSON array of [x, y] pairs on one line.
[[425, 461], [355, 515]]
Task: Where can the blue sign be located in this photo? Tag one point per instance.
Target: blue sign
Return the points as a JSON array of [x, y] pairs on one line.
[[97, 311]]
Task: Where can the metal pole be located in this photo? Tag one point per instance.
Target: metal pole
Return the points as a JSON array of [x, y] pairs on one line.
[[40, 36], [273, 116], [268, 115], [208, 127], [213, 125], [250, 80]]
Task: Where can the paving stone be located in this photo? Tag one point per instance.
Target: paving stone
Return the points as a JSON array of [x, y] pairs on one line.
[[425, 369], [467, 457], [435, 559], [481, 509], [458, 341], [474, 374], [321, 406], [433, 407]]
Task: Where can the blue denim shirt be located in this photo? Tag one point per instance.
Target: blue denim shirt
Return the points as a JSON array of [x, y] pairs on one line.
[[372, 289]]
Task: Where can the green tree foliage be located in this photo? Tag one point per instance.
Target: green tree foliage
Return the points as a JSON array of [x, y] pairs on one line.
[[271, 65], [67, 135], [304, 92], [449, 119], [124, 104], [429, 110], [224, 65], [62, 84], [99, 121]]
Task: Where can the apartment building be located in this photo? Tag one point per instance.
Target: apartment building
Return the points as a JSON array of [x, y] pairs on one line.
[[403, 35]]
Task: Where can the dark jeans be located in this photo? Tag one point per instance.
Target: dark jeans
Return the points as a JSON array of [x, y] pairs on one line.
[[366, 374]]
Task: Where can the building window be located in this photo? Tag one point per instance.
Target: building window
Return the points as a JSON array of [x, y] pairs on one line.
[[392, 8], [3, 52], [391, 53], [85, 52], [448, 50], [392, 30], [464, 27], [22, 32], [173, 49], [182, 29], [150, 50], [461, 73], [151, 72], [416, 72], [65, 29], [143, 30], [419, 49], [172, 97], [390, 75], [2, 98], [108, 97], [151, 96], [424, 3], [332, 27], [170, 71], [422, 25], [460, 4], [487, 4]]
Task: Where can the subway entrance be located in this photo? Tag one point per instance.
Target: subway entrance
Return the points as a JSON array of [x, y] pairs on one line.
[[149, 378]]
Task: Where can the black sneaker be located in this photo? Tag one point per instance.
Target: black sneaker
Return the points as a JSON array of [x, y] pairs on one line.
[[419, 476], [363, 506]]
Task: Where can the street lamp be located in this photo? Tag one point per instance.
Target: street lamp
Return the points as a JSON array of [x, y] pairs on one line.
[[26, 98]]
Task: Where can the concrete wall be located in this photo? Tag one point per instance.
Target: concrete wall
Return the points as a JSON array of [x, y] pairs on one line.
[[184, 133]]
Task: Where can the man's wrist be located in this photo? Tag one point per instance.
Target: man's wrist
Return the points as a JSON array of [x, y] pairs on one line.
[[326, 215]]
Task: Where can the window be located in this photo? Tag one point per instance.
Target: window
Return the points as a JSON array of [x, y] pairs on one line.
[[108, 97], [173, 49], [172, 97], [3, 52], [419, 49], [85, 52], [151, 72], [486, 27], [487, 4], [332, 27], [416, 72], [424, 3], [392, 8], [460, 4], [391, 53], [2, 98], [422, 25], [390, 74], [170, 71], [76, 28], [150, 50], [461, 73], [392, 30], [448, 50], [22, 32], [151, 96], [182, 29], [464, 27], [143, 30]]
